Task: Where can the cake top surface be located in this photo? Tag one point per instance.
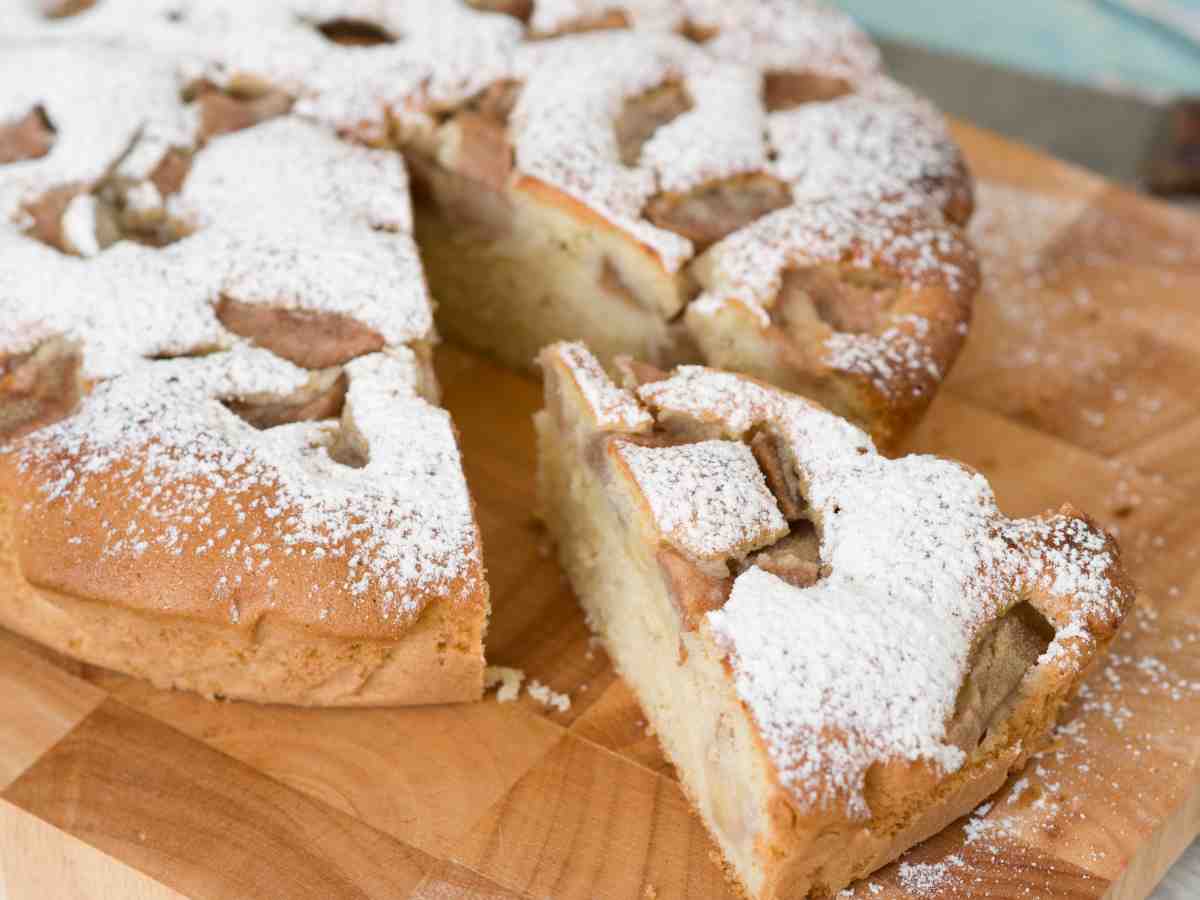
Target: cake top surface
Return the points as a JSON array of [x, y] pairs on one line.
[[864, 666], [709, 499], [580, 63], [106, 105], [156, 489], [283, 215]]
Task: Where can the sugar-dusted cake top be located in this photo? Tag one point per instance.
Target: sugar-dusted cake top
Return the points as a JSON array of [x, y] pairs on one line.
[[583, 67], [157, 492], [284, 215], [863, 665], [709, 498]]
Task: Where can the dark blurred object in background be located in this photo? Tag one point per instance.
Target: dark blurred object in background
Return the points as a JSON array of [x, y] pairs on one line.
[[1173, 166], [1112, 85]]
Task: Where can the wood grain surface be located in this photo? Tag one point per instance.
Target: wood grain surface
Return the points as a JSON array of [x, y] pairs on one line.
[[1081, 382]]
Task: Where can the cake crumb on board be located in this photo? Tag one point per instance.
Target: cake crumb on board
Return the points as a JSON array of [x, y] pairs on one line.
[[509, 681], [507, 678], [547, 697]]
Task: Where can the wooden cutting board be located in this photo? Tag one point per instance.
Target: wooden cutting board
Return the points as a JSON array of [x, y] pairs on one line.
[[1081, 382]]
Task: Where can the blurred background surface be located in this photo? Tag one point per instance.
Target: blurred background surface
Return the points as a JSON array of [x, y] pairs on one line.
[[1091, 81]]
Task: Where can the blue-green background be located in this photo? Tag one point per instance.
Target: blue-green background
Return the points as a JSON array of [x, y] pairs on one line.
[[1107, 43]]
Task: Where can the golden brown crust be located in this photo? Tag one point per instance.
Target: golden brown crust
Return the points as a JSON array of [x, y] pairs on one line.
[[65, 553], [213, 591], [439, 660], [926, 317], [557, 199]]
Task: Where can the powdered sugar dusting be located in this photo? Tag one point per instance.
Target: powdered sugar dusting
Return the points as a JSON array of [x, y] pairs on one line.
[[864, 666], [185, 479], [129, 302], [721, 136], [284, 214], [768, 34], [309, 222], [612, 407], [709, 499], [882, 143], [782, 35], [563, 132], [923, 879], [889, 359], [104, 103]]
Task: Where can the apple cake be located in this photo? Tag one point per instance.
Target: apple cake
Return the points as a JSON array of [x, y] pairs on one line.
[[734, 182], [841, 653]]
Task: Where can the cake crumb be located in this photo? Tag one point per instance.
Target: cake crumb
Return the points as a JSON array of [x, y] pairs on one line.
[[508, 679], [547, 697], [650, 892]]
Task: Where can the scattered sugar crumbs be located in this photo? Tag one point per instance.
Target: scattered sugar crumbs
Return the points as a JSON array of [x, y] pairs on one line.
[[1025, 260], [509, 681], [548, 698]]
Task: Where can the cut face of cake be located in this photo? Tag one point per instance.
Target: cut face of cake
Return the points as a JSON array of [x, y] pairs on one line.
[[840, 653], [733, 182]]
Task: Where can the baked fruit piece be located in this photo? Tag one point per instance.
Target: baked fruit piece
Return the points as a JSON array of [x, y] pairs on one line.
[[221, 463], [840, 653], [573, 162]]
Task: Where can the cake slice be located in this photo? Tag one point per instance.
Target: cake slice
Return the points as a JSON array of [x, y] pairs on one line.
[[840, 653], [239, 526]]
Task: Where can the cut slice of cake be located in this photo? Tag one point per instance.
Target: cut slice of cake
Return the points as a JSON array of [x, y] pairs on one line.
[[840, 653]]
